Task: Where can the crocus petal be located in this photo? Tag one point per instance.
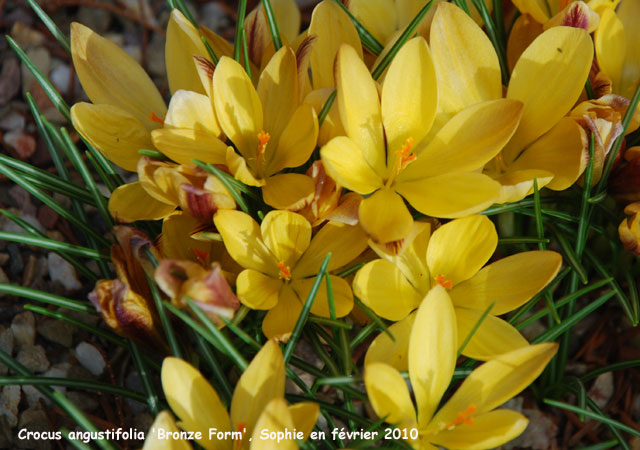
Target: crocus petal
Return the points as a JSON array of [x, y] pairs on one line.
[[243, 240], [548, 78], [610, 46], [408, 109], [176, 242], [288, 17], [517, 184], [332, 125], [509, 282], [286, 234], [394, 352], [496, 381], [131, 202], [492, 338], [385, 217], [261, 382], [164, 421], [256, 290], [297, 141], [110, 76], [360, 107], [560, 152], [291, 191], [194, 111], [194, 401], [389, 395], [432, 352], [183, 42], [281, 320], [629, 14], [237, 165], [332, 27], [183, 146], [117, 134], [237, 106], [525, 30], [468, 141], [460, 248], [576, 14], [342, 296], [467, 74], [383, 288], [304, 415], [489, 430], [275, 418], [345, 242], [278, 92], [450, 195], [345, 162], [378, 16], [536, 8]]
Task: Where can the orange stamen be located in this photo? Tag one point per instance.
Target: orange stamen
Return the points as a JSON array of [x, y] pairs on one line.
[[442, 281], [285, 271], [153, 118], [242, 427], [464, 417], [201, 255], [404, 157]]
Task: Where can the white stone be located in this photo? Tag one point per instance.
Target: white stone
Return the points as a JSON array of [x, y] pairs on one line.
[[90, 358], [60, 270]]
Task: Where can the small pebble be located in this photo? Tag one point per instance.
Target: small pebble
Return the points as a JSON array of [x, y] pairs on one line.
[[34, 419], [3, 279], [47, 217], [22, 142], [12, 120], [23, 327], [26, 36], [34, 358], [602, 389], [83, 401], [33, 395], [60, 270], [6, 345], [60, 77], [16, 265], [9, 400], [57, 331], [90, 358], [9, 80], [30, 270], [4, 258]]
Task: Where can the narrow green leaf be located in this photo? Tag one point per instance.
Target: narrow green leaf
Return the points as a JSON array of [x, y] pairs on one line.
[[622, 298], [209, 357], [237, 45], [62, 39], [306, 309], [54, 245], [406, 34], [45, 297], [324, 112], [46, 85], [151, 396], [273, 25], [212, 54], [591, 415], [164, 319], [367, 39], [474, 329], [494, 36]]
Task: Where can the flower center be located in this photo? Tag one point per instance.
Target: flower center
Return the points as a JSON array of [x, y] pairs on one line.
[[464, 417], [263, 140], [285, 271], [442, 281], [152, 117], [404, 157]]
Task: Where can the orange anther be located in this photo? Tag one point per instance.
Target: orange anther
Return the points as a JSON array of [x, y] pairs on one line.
[[405, 154], [242, 428], [442, 281], [153, 118], [201, 255], [263, 138], [464, 417], [285, 271]]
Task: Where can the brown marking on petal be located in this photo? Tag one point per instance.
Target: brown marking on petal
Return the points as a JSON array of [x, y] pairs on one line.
[[205, 65], [303, 59], [197, 202], [576, 17], [213, 294], [255, 31]]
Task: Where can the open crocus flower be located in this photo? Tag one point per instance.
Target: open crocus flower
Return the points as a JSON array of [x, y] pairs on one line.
[[258, 404], [270, 128], [548, 79], [453, 257], [386, 158], [164, 186], [281, 261], [468, 420], [125, 100]]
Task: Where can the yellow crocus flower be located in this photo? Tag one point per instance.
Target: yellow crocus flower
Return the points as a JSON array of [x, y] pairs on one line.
[[453, 257], [269, 127], [386, 157], [548, 79], [258, 404], [618, 49], [281, 260], [468, 420]]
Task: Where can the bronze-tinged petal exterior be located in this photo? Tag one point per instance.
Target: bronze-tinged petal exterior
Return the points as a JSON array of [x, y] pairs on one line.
[[629, 229]]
